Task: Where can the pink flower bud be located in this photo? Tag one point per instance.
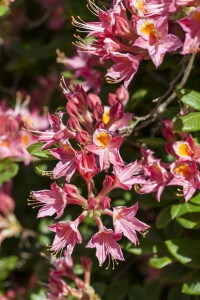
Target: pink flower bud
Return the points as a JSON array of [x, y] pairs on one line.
[[82, 137], [91, 203], [105, 202], [86, 263], [92, 100]]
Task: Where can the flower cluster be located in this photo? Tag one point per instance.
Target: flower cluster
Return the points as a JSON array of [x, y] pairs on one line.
[[184, 171], [13, 139], [136, 30], [94, 132], [59, 287]]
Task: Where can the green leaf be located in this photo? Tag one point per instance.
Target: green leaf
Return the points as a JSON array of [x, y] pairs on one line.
[[7, 264], [3, 10], [188, 123], [175, 211], [160, 262], [8, 170], [192, 285], [35, 150], [190, 221], [190, 98], [164, 217], [196, 199], [145, 247], [186, 251]]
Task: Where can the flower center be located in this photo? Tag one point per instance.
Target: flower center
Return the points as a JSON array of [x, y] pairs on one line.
[[184, 150], [183, 170], [149, 29], [103, 139]]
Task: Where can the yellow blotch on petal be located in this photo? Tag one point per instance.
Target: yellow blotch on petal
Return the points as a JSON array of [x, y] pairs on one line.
[[184, 150], [67, 148], [140, 6], [149, 29], [103, 139], [106, 115], [183, 170], [4, 144], [25, 139]]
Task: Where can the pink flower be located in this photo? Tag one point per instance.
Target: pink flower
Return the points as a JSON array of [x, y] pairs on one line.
[[153, 36], [54, 135], [157, 179], [125, 222], [148, 8], [186, 174], [86, 166], [121, 95], [105, 243], [125, 67], [191, 25], [67, 164], [187, 150], [67, 235], [52, 201], [106, 147], [128, 175]]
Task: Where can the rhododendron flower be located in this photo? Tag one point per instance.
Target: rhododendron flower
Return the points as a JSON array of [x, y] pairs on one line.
[[125, 222], [187, 150], [67, 235], [125, 67], [157, 179], [67, 164], [52, 201], [186, 174], [105, 243], [191, 25], [147, 8], [106, 147], [129, 175], [153, 36], [57, 132], [86, 166]]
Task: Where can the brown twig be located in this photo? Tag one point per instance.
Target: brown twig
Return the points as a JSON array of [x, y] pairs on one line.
[[164, 100]]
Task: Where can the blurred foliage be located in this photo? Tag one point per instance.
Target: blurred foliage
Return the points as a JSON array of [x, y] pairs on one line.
[[165, 265]]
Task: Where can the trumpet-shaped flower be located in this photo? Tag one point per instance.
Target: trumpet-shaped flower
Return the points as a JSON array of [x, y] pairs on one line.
[[52, 201], [186, 174], [153, 36], [125, 222], [105, 243], [106, 147], [67, 235]]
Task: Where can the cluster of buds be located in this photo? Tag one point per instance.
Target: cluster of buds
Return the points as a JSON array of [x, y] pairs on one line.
[[184, 171], [59, 287], [94, 132], [136, 30], [13, 139]]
